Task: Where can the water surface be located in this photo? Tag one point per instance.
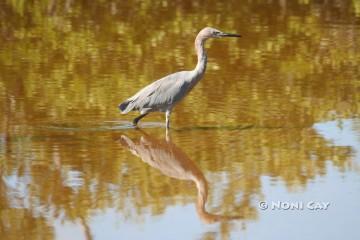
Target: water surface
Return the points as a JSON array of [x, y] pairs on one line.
[[276, 118]]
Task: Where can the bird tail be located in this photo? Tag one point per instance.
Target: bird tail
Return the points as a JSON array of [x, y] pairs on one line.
[[125, 107]]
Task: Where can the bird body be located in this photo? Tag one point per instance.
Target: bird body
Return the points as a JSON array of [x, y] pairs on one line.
[[163, 94]]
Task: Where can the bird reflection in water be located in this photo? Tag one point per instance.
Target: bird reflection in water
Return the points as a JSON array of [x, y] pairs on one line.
[[173, 162]]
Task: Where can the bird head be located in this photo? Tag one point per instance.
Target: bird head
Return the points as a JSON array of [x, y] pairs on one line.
[[210, 32]]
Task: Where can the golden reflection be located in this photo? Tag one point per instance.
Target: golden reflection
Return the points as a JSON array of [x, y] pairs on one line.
[[69, 175], [173, 162], [289, 62], [68, 63]]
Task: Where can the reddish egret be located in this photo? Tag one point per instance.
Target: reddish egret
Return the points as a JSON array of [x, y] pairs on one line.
[[163, 94]]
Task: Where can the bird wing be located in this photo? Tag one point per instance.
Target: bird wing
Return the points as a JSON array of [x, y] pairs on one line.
[[161, 93]]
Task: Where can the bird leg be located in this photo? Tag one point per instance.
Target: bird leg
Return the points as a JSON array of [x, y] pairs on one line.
[[137, 119], [167, 114]]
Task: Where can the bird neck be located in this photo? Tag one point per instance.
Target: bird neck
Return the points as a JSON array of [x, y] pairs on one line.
[[201, 54]]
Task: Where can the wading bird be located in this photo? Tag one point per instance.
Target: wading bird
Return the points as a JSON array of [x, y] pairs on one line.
[[163, 94]]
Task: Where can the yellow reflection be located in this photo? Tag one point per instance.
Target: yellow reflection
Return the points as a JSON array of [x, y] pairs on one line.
[[69, 63], [173, 162]]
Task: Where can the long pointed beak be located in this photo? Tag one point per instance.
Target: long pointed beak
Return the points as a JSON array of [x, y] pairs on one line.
[[230, 35]]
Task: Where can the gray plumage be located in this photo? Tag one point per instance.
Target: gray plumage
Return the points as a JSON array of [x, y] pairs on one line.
[[163, 94]]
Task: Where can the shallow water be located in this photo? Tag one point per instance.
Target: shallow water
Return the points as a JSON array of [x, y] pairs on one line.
[[275, 120]]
